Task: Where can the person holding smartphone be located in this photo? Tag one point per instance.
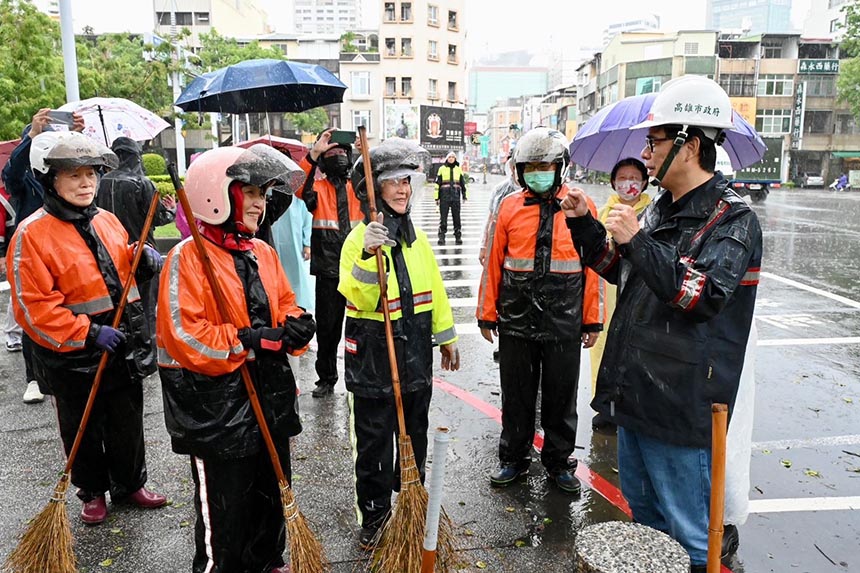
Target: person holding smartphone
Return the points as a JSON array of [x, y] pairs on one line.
[[336, 210], [26, 196]]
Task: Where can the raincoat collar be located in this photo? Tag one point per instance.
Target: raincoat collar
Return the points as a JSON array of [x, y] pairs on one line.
[[698, 203], [399, 226], [65, 211]]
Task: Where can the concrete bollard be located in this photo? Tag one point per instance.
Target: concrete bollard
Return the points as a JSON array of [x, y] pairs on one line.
[[623, 547]]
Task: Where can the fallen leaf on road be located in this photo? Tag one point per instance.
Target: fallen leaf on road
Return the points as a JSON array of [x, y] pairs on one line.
[[480, 565], [812, 473], [107, 562], [786, 463]]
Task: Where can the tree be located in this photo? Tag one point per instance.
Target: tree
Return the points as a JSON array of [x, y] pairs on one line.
[[31, 65], [848, 81], [217, 51], [311, 121]]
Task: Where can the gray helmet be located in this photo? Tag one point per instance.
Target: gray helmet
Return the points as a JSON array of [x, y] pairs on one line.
[[394, 158], [68, 150]]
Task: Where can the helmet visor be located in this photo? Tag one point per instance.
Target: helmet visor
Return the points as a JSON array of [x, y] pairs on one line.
[[70, 152], [261, 164]]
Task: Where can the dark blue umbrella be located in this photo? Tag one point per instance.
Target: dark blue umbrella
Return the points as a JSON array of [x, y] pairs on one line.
[[260, 86], [607, 138]]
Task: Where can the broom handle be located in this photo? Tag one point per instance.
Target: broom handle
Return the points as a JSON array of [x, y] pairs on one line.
[[719, 416], [221, 303], [150, 215], [383, 282]]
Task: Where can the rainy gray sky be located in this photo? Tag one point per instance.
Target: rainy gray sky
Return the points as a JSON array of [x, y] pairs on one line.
[[533, 25]]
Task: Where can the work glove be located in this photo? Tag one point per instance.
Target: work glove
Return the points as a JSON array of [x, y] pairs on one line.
[[299, 331], [376, 235], [105, 337], [262, 339], [151, 257]]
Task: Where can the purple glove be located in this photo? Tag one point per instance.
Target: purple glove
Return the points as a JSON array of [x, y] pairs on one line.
[[153, 258], [106, 337]]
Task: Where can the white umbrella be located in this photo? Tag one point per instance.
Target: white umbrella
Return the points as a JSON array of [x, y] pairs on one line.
[[106, 119]]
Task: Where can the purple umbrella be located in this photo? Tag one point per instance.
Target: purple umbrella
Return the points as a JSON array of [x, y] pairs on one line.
[[606, 138]]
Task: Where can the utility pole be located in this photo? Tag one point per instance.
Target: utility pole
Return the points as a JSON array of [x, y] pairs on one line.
[[70, 59], [174, 79]]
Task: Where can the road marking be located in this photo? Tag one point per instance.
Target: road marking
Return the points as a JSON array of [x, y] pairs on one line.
[[812, 289], [4, 286], [463, 302], [848, 440], [800, 504], [809, 341], [449, 268]]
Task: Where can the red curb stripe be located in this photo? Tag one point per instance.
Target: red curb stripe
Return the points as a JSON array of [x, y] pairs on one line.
[[590, 478]]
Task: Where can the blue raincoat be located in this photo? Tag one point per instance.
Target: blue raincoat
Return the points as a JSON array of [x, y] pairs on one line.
[[290, 233]]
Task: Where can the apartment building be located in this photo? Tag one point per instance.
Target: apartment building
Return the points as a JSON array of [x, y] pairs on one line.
[[233, 18], [326, 16]]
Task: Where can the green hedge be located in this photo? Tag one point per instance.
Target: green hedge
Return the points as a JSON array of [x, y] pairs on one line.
[[154, 164], [164, 188]]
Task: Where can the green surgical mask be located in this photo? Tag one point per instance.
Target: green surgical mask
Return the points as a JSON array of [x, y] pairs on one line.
[[540, 181]]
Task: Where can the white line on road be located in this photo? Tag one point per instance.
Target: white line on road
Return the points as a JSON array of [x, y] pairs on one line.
[[809, 341], [460, 268], [804, 504], [812, 289], [848, 440]]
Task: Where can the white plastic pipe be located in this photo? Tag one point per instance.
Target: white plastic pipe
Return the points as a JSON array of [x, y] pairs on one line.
[[437, 480]]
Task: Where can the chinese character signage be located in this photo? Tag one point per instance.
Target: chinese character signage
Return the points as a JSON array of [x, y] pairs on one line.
[[770, 166], [797, 111], [442, 129], [817, 66], [470, 127]]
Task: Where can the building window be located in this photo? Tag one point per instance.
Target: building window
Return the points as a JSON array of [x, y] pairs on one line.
[[360, 84], [771, 51], [406, 12], [361, 118], [390, 12], [846, 125], [691, 48], [773, 121], [452, 91], [613, 93], [452, 54], [835, 24], [390, 87], [391, 47], [452, 20], [432, 15], [816, 122], [834, 3], [646, 86], [406, 87], [406, 47], [201, 18], [182, 18], [775, 85], [433, 50], [738, 85], [432, 89], [820, 86]]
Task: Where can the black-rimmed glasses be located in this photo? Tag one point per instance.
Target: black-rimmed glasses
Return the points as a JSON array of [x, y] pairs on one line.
[[651, 140]]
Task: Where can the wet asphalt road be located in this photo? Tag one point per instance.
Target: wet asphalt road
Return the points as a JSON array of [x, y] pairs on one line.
[[807, 417]]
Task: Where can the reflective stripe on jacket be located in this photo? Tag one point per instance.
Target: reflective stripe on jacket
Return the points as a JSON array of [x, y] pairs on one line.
[[206, 406], [368, 372], [327, 237], [450, 181], [533, 284], [56, 281]]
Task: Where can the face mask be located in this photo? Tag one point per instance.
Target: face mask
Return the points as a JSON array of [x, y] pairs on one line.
[[628, 190], [540, 181], [335, 165]]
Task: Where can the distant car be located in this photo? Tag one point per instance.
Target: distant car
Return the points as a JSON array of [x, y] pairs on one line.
[[813, 180]]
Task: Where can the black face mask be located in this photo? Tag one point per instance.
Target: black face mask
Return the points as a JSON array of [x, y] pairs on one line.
[[335, 165]]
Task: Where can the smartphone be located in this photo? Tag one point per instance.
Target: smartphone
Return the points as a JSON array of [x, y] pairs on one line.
[[61, 117], [343, 137]]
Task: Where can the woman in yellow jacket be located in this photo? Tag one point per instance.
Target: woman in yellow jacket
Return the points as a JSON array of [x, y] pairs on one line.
[[421, 318], [629, 179]]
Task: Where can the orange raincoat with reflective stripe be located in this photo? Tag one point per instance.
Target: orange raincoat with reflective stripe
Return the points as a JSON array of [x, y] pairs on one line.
[[545, 297]]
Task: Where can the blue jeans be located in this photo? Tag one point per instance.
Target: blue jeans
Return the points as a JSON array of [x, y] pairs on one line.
[[668, 488]]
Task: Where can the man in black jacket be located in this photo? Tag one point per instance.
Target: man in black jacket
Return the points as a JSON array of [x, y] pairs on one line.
[[127, 192], [687, 273]]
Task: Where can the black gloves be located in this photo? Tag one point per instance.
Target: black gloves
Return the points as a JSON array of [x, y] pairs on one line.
[[262, 339], [299, 331], [295, 333]]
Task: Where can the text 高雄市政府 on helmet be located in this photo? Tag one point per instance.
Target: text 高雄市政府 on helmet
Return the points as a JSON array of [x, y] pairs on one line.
[[208, 179]]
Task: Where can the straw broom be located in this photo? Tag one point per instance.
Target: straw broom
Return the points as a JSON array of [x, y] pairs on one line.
[[399, 542], [306, 551], [47, 544]]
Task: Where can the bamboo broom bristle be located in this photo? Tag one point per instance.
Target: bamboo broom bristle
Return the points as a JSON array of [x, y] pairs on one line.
[[47, 544], [306, 551]]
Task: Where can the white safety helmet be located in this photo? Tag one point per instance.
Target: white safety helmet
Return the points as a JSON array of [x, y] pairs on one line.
[[60, 150], [692, 101], [542, 145]]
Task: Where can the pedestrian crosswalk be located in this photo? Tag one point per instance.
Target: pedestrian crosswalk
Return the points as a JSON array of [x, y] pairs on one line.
[[461, 270]]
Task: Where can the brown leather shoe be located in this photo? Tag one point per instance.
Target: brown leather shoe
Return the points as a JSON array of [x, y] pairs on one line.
[[94, 511], [147, 499]]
